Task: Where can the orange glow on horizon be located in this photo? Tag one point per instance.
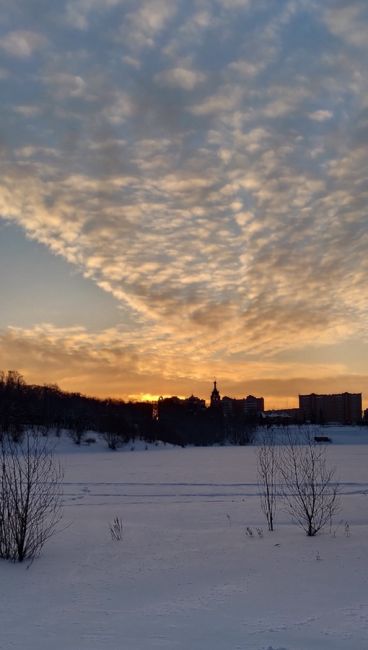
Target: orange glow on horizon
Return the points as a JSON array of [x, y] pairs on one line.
[[149, 397]]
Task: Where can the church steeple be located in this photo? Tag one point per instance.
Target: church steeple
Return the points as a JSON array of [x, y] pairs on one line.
[[215, 396]]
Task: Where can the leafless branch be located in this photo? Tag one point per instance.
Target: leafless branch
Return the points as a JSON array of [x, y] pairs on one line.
[[309, 488], [30, 497], [267, 477]]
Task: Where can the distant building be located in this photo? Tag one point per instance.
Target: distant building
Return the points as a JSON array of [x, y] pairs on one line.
[[175, 406], [254, 404], [215, 397], [248, 406], [187, 421], [227, 405], [194, 404], [283, 416], [344, 408]]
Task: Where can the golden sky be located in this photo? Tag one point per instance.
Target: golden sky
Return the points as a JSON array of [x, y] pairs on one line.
[[183, 196]]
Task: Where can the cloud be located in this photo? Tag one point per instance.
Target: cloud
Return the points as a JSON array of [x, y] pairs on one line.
[[141, 26], [227, 98], [349, 23], [111, 363], [320, 115], [228, 221], [181, 77], [78, 12], [285, 100], [65, 84], [130, 60], [235, 4], [22, 44], [121, 108], [247, 69], [28, 110]]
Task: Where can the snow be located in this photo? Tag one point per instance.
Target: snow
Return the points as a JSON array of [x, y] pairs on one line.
[[185, 576]]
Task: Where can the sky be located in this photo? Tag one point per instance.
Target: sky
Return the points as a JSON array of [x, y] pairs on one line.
[[183, 196]]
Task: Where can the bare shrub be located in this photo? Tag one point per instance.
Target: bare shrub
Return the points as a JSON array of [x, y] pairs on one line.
[[90, 441], [30, 497], [113, 439], [116, 529], [309, 488], [40, 430], [267, 477], [114, 430], [77, 430]]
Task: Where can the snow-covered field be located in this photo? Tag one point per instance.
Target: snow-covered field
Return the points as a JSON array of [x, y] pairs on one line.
[[185, 576]]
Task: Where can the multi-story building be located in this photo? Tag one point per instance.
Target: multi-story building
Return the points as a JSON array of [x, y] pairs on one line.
[[173, 407], [248, 406], [344, 408], [253, 404]]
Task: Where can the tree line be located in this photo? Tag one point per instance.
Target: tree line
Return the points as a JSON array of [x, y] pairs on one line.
[[42, 408]]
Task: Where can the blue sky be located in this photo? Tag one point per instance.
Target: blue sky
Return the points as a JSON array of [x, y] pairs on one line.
[[183, 195]]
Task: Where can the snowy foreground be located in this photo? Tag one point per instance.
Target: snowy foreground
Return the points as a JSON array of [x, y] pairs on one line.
[[185, 576]]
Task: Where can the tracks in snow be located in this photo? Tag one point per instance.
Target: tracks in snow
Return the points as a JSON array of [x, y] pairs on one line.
[[91, 492]]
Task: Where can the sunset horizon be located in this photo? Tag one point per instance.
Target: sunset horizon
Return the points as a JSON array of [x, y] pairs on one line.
[[326, 386], [183, 196]]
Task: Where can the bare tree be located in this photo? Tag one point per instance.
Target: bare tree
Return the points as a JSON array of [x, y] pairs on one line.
[[30, 497], [309, 487], [77, 430], [115, 430], [267, 477], [113, 439]]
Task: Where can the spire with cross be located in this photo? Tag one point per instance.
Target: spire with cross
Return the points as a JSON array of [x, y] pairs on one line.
[[215, 395]]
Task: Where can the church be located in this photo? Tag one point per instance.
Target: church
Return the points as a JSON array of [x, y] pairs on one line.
[[248, 405]]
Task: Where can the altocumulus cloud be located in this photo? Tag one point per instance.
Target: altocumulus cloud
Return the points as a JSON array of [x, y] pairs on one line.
[[202, 161], [22, 44]]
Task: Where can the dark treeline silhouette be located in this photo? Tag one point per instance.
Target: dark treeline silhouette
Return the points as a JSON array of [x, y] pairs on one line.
[[180, 422], [188, 421], [48, 407]]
